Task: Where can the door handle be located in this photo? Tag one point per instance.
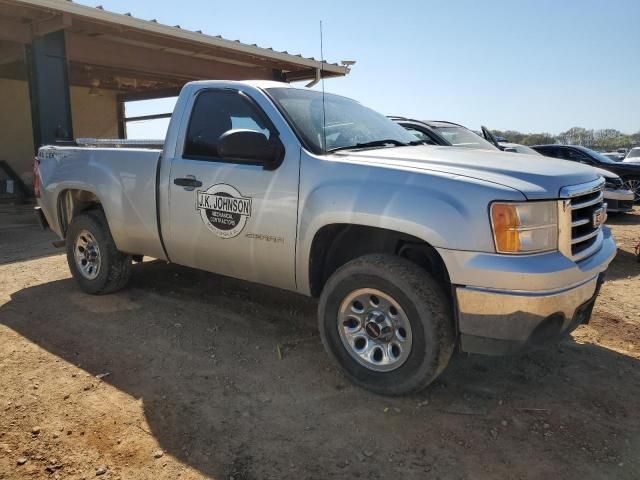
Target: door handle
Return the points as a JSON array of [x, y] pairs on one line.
[[188, 182]]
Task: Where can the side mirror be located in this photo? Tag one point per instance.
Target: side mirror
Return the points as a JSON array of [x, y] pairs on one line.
[[510, 149], [252, 147]]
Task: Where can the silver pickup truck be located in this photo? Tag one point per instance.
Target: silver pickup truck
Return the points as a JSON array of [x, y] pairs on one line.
[[413, 250]]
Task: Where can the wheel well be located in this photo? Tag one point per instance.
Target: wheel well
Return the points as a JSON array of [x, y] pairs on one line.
[[334, 245], [73, 202]]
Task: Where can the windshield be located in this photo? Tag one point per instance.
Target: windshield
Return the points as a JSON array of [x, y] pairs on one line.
[[461, 137], [348, 123], [634, 153], [596, 155]]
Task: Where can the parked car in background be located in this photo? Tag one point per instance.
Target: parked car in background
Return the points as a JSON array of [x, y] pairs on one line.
[[517, 148], [618, 198], [615, 156], [435, 131], [633, 156], [422, 131], [629, 172], [495, 141]]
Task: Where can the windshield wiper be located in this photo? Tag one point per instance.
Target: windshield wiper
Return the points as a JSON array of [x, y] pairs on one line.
[[375, 143]]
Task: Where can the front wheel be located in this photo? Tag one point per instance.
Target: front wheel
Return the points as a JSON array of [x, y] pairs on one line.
[[93, 258], [633, 184], [387, 324]]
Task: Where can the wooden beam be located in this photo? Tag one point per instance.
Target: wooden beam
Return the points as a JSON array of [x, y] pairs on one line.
[[151, 94], [94, 51], [306, 74], [52, 24], [212, 53], [118, 80]]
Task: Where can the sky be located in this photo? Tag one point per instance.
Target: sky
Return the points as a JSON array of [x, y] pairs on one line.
[[527, 65]]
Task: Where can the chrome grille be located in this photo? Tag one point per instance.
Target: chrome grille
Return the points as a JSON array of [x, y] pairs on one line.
[[585, 211]]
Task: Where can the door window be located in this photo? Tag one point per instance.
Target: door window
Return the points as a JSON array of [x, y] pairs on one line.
[[420, 135], [575, 156], [216, 112]]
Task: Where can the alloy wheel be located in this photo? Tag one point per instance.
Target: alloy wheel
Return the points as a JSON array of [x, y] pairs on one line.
[[374, 329]]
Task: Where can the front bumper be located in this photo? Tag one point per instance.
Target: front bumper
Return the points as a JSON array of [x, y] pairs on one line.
[[502, 323], [510, 304], [619, 200]]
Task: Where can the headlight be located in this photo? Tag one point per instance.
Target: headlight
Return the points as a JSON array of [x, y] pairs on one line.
[[527, 227], [613, 183]]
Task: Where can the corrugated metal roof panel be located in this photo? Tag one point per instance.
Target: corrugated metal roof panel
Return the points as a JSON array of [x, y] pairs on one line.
[[152, 26]]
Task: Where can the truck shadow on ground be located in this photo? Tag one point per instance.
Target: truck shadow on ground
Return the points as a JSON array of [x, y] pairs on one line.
[[624, 265], [628, 218], [25, 242], [234, 382]]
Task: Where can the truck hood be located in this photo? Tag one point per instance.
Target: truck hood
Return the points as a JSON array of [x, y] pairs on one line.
[[537, 177]]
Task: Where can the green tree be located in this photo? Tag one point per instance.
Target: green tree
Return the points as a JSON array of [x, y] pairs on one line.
[[605, 139], [538, 139], [577, 136]]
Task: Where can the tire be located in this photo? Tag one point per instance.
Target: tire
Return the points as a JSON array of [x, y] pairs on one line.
[[419, 303], [105, 269]]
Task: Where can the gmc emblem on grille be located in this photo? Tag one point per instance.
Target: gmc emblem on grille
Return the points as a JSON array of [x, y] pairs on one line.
[[598, 217]]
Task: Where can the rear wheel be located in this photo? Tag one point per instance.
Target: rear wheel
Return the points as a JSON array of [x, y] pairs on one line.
[[387, 324], [93, 258]]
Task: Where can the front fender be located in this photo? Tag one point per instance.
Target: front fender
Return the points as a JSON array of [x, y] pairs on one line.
[[445, 211]]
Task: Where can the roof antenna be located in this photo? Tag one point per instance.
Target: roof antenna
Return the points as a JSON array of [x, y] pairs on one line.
[[324, 112]]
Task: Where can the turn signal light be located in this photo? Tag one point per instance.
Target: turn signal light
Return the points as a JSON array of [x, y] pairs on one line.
[[525, 227], [505, 227]]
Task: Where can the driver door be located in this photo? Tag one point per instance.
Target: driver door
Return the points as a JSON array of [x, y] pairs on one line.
[[226, 216]]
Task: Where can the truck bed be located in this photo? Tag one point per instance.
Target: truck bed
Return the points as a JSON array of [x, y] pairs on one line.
[[123, 178]]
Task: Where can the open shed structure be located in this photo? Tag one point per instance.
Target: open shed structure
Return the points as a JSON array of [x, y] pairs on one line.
[[67, 69]]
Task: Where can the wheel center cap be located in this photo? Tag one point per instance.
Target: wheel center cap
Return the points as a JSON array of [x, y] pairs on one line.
[[378, 326], [373, 330]]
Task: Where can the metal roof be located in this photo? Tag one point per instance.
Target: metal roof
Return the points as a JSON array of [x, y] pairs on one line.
[[99, 15]]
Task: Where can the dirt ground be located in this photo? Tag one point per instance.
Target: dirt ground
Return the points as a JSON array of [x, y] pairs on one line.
[[190, 375]]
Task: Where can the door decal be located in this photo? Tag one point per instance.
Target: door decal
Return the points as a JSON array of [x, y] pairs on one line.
[[223, 210]]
